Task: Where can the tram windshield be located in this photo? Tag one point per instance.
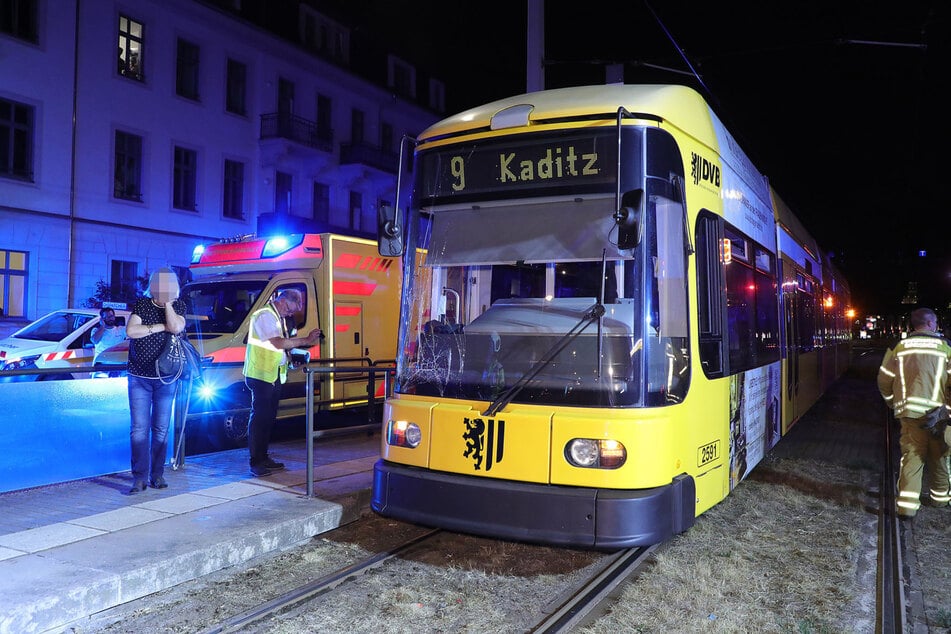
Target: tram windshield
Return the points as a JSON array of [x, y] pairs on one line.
[[533, 300]]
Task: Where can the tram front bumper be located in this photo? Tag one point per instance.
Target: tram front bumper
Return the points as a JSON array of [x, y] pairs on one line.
[[570, 516]]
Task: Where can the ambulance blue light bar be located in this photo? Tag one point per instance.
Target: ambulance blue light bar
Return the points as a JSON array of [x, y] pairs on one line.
[[281, 244]]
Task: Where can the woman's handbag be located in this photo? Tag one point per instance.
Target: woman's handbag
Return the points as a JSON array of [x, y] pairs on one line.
[[178, 360]]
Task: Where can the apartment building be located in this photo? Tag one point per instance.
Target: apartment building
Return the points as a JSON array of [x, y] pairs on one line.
[[133, 130]]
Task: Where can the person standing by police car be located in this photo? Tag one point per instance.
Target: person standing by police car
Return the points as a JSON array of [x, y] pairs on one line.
[[914, 380], [150, 397], [265, 370], [107, 332]]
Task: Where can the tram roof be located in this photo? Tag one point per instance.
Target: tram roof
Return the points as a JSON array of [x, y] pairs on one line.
[[680, 105]]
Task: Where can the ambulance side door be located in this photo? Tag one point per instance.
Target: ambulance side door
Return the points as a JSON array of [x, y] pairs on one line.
[[348, 330]]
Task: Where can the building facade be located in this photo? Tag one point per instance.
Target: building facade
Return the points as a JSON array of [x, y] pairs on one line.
[[131, 131]]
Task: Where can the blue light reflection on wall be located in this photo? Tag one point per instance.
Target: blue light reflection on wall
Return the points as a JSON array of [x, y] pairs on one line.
[[56, 431]]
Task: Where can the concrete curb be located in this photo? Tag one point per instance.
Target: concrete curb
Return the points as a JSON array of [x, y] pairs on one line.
[[50, 589]]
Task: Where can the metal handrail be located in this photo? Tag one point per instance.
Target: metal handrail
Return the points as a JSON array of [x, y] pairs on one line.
[[310, 370]]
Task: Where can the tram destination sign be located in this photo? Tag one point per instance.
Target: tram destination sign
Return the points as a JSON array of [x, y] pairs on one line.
[[522, 164]]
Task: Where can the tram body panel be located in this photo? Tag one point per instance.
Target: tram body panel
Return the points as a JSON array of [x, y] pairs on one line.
[[512, 446]]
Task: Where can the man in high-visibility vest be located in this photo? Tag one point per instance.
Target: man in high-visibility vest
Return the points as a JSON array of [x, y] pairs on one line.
[[914, 380], [265, 369]]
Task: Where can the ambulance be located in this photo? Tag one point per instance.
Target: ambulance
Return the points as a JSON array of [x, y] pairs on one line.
[[350, 292]]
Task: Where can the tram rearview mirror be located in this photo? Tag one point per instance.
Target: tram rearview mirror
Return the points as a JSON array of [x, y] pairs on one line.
[[630, 219], [389, 232]]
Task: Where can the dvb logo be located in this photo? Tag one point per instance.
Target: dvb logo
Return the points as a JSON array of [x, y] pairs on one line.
[[703, 170]]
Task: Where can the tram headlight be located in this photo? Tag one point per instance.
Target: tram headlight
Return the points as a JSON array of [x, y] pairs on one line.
[[592, 453], [401, 433]]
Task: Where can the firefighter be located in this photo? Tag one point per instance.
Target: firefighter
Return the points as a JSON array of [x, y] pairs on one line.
[[914, 381]]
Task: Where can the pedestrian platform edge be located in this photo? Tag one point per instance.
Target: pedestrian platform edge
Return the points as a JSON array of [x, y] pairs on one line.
[[98, 548]]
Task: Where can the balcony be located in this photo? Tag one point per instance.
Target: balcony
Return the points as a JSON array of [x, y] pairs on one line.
[[284, 125], [369, 156]]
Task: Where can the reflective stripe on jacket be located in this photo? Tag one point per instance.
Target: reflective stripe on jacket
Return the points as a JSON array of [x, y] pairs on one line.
[[262, 360], [914, 375]]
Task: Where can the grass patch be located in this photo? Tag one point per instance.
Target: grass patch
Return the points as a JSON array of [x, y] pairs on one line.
[[780, 554]]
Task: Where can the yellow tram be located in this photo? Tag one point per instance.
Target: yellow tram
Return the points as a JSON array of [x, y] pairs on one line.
[[608, 318]]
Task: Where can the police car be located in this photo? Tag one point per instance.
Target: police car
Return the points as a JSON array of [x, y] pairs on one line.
[[60, 339]]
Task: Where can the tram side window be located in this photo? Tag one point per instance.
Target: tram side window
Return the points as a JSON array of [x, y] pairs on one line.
[[806, 313], [752, 308], [767, 308]]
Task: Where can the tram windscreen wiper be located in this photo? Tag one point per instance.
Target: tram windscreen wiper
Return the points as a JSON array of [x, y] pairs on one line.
[[594, 313]]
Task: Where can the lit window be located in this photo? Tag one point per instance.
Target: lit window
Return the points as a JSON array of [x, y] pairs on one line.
[[131, 48], [13, 286]]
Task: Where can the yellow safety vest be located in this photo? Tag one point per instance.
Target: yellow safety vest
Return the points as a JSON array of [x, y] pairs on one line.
[[262, 360]]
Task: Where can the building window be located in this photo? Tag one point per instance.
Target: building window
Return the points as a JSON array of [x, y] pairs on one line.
[[13, 270], [234, 190], [356, 126], [401, 77], [282, 192], [237, 87], [386, 138], [185, 179], [18, 18], [321, 202], [320, 34], [128, 176], [186, 70], [131, 48], [285, 97], [123, 282], [324, 117], [356, 210], [16, 140]]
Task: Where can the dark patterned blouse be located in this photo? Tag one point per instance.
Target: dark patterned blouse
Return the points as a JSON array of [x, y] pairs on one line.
[[145, 350]]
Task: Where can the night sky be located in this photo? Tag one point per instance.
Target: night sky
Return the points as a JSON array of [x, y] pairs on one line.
[[837, 102]]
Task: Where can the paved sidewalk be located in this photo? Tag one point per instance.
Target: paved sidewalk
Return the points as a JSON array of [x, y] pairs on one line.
[[70, 550]]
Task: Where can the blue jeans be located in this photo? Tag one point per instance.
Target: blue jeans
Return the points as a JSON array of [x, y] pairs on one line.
[[150, 403]]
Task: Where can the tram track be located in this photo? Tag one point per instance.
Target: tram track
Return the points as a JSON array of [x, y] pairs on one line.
[[589, 597], [890, 596], [318, 587], [579, 603]]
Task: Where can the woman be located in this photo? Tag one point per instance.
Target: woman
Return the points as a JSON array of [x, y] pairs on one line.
[[150, 400]]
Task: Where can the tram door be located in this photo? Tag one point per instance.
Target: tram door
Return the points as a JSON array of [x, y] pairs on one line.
[[790, 374]]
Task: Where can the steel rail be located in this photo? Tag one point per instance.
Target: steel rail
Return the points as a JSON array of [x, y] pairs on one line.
[[314, 588], [594, 591], [891, 597]]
